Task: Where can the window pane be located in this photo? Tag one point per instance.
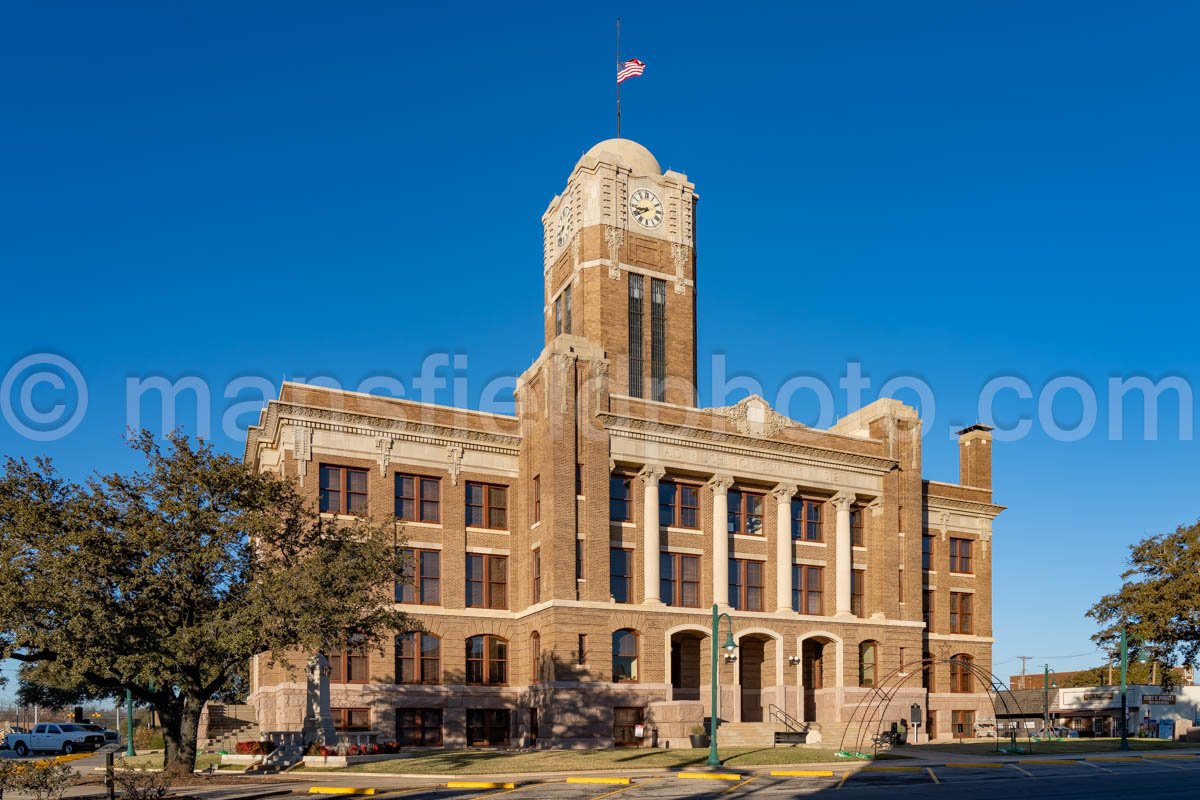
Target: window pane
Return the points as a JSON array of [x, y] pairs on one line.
[[356, 503], [356, 480]]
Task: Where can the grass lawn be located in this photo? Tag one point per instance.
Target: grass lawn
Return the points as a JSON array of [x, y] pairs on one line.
[[474, 762], [1062, 747], [155, 761]]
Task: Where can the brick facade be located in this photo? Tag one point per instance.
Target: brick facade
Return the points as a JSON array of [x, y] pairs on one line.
[[576, 427]]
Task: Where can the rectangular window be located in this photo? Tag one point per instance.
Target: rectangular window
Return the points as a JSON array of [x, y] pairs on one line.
[[487, 727], [343, 490], [858, 591], [806, 520], [487, 506], [927, 606], [581, 649], [745, 512], [419, 727], [746, 584], [960, 555], [857, 539], [418, 499], [679, 580], [487, 581], [963, 723], [537, 498], [620, 498], [567, 309], [658, 339], [349, 666], [537, 576], [418, 659], [421, 583], [927, 543], [579, 559], [960, 613], [578, 480], [558, 315], [678, 505], [636, 364], [620, 574], [351, 719], [807, 589]]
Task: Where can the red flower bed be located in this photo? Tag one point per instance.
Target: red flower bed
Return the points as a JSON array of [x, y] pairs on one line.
[[253, 748]]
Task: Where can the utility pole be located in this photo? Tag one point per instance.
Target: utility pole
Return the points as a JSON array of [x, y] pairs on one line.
[[1024, 659]]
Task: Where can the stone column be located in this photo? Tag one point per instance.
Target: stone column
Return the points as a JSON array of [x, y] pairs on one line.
[[651, 537], [783, 546], [720, 569], [844, 554]]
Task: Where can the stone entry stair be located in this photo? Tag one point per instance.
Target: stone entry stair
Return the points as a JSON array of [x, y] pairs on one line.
[[748, 734]]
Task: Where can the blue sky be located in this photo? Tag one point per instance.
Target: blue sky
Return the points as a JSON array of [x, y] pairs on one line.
[[951, 191]]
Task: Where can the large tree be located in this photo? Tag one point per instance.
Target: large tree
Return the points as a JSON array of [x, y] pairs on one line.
[[167, 580], [1159, 602]]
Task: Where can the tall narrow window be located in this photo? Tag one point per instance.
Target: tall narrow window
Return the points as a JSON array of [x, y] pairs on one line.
[[620, 498], [579, 559], [856, 528], [567, 309], [806, 520], [487, 581], [625, 656], [658, 339], [960, 674], [807, 584], [537, 498], [581, 649], [558, 315], [537, 576], [868, 658], [620, 574], [960, 613], [927, 606], [421, 581], [636, 293], [745, 512], [535, 656], [858, 591], [927, 552]]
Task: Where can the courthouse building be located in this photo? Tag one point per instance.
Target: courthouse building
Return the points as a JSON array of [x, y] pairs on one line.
[[565, 559]]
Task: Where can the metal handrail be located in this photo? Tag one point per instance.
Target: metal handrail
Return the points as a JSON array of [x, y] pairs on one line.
[[794, 725]]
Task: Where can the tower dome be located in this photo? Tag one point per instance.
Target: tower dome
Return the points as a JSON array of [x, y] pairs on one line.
[[628, 153]]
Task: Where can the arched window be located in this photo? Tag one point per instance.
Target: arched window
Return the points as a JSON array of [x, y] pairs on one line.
[[487, 660], [418, 658], [868, 663], [535, 654], [960, 673], [625, 656]]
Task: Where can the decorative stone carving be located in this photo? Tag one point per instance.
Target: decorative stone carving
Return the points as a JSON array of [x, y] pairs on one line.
[[302, 450], [876, 507], [455, 456], [843, 500], [720, 483], [615, 238], [576, 249], [753, 416], [383, 446], [784, 492], [681, 255], [651, 474]]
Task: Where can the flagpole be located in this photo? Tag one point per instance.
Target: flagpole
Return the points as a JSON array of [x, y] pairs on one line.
[[618, 82]]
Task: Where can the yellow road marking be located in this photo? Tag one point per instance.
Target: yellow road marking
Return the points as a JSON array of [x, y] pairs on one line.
[[340, 790], [1180, 756], [973, 765], [802, 773], [622, 789], [509, 791], [711, 776], [845, 777], [479, 785], [737, 786], [930, 771], [611, 781]]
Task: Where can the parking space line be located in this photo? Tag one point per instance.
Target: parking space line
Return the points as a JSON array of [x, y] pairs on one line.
[[510, 791], [1087, 763], [1172, 766], [1062, 762], [622, 789], [973, 765], [1024, 772], [737, 786], [1113, 758], [930, 771]]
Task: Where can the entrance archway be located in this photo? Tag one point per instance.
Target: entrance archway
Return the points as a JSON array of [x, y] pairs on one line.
[[752, 654], [687, 649], [816, 656]]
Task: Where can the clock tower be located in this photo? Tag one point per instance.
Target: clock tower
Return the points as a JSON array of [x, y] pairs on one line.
[[619, 260]]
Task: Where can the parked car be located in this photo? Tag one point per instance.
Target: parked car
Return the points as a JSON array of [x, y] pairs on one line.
[[55, 737], [110, 736]]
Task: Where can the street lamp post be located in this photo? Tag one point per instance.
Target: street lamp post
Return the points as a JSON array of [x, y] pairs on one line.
[[129, 751], [1046, 700], [1124, 698], [728, 647]]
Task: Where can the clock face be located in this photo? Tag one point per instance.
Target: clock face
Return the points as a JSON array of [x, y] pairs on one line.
[[564, 225], [646, 208]]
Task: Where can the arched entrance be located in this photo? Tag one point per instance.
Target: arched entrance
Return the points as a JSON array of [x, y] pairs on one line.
[[820, 665], [752, 667], [687, 651]]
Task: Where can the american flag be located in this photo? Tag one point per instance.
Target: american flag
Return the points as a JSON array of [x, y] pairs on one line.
[[630, 68]]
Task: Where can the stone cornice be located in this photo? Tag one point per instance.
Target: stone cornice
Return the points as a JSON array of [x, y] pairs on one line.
[[739, 445], [375, 426], [972, 507]]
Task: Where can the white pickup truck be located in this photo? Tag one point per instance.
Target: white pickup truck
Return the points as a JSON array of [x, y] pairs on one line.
[[56, 737]]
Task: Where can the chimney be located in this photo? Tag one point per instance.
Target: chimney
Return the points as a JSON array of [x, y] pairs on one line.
[[975, 456]]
